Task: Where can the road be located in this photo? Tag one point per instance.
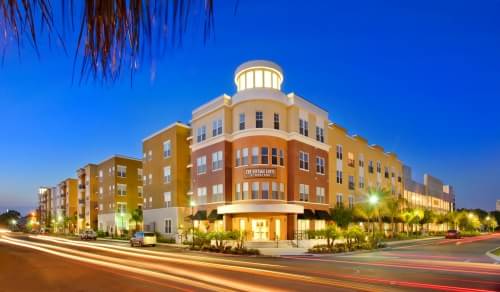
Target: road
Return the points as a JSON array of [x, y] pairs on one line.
[[42, 263]]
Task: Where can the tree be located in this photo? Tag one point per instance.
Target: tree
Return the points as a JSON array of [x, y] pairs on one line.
[[113, 36], [137, 218], [7, 217], [330, 233], [354, 234], [393, 207], [490, 223], [428, 217], [342, 216]]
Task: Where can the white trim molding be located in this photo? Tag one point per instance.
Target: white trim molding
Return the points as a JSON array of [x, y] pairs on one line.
[[260, 208]]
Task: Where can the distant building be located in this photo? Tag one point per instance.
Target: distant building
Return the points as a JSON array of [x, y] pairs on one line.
[[498, 205]]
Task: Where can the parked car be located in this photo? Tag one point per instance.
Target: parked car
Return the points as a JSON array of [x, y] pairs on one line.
[[88, 235], [452, 234], [143, 238]]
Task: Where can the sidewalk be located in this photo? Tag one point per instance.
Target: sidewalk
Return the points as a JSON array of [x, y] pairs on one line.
[[158, 243]]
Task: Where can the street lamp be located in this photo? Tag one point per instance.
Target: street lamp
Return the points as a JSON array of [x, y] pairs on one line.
[[373, 200], [470, 215], [192, 204]]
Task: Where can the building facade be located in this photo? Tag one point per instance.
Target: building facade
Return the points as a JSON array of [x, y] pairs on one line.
[[119, 193], [67, 206], [87, 197], [44, 207], [166, 178]]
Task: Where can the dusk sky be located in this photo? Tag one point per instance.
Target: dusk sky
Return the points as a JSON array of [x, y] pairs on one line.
[[422, 79]]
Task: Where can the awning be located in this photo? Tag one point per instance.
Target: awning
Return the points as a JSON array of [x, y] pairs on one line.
[[308, 214], [214, 216], [200, 215], [323, 215]]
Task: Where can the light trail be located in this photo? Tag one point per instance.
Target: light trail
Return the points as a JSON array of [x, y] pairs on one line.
[[419, 267], [260, 272], [136, 250], [162, 276]]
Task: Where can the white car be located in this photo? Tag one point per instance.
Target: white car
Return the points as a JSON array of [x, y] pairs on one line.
[[88, 235], [143, 238]]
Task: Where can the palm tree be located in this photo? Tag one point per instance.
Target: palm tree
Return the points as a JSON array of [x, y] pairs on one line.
[[111, 33], [136, 217], [342, 216], [393, 208]]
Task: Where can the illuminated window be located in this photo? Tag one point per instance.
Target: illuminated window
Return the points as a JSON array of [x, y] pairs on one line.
[[267, 79], [275, 81], [167, 174], [217, 193], [259, 79], [202, 195], [245, 191], [167, 199], [320, 195], [249, 79], [304, 192]]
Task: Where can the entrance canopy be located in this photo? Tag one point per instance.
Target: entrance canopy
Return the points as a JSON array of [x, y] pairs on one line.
[[308, 214], [260, 208]]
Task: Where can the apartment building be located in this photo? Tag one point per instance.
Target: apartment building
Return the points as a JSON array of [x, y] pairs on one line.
[[44, 206], [119, 193], [166, 177], [431, 194], [67, 207], [87, 197], [358, 167]]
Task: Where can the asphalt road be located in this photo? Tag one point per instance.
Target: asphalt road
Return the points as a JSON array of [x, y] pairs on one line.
[[37, 263]]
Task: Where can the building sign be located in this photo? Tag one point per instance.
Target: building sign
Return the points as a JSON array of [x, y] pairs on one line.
[[260, 172]]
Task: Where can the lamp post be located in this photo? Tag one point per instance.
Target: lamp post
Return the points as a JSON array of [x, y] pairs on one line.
[[192, 204], [373, 200]]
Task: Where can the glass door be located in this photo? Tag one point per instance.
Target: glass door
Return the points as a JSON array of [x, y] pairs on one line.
[[260, 229]]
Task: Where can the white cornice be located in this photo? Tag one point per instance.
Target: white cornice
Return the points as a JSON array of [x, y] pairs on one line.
[[166, 128], [261, 132]]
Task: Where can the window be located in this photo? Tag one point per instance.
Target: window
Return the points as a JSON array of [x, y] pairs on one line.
[[121, 189], [259, 80], [167, 149], [320, 165], [304, 192], [249, 79], [379, 167], [351, 201], [150, 202], [144, 156], [168, 226], [167, 199], [237, 193], [274, 191], [259, 119], [101, 192], [140, 191], [245, 191], [242, 121], [255, 155], [339, 152], [216, 127], [139, 173], [264, 155], [370, 166], [386, 172], [121, 208], [339, 176], [122, 171], [100, 174], [274, 156], [350, 159], [320, 134], [276, 121], [351, 182], [282, 158], [217, 160], [244, 160], [150, 178], [167, 174], [304, 127], [238, 157], [265, 190], [361, 182], [201, 164], [201, 134], [101, 207], [150, 155], [255, 190], [320, 195], [339, 200], [303, 160], [361, 162], [282, 191], [202, 195], [217, 193]]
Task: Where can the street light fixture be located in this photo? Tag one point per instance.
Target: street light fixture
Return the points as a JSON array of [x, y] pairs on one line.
[[373, 199], [470, 215], [192, 204]]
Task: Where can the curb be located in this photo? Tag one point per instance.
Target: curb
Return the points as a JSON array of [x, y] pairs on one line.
[[492, 256]]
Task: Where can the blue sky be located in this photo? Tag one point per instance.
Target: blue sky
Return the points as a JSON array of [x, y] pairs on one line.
[[421, 79]]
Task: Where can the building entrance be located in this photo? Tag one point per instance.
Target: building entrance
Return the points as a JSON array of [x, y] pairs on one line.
[[260, 229]]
